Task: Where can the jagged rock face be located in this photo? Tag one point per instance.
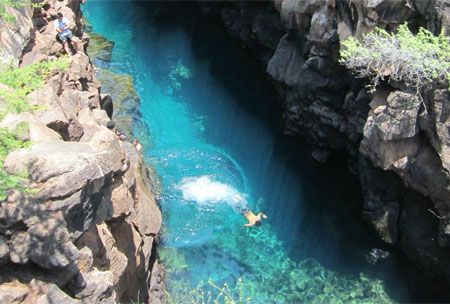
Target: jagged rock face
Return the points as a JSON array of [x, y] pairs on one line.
[[118, 87], [399, 150], [15, 34], [86, 232]]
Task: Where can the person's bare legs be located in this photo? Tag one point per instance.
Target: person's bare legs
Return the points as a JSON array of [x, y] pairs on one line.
[[74, 45], [262, 215], [67, 48]]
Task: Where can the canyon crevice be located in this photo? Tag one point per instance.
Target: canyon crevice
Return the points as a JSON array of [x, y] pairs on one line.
[[89, 234], [397, 145]]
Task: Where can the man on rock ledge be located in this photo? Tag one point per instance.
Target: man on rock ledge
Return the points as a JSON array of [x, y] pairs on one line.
[[65, 35]]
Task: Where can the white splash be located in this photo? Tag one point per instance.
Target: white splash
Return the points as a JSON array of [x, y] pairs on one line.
[[205, 191]]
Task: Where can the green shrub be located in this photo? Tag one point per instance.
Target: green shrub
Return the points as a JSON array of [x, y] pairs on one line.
[[33, 76], [25, 80], [21, 82], [6, 4], [9, 141], [416, 60]]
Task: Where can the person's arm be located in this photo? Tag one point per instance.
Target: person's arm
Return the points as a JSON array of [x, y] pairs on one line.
[[66, 23], [56, 25], [248, 225]]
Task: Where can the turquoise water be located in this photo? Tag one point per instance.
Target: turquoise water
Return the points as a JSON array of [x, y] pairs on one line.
[[213, 137]]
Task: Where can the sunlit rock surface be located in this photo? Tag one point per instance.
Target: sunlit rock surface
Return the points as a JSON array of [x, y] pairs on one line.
[[85, 233]]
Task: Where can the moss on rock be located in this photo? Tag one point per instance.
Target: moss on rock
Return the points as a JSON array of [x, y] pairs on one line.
[[100, 49]]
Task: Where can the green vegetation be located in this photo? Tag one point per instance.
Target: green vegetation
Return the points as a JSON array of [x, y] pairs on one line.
[[31, 77], [13, 99], [10, 140], [419, 60], [23, 81], [7, 4]]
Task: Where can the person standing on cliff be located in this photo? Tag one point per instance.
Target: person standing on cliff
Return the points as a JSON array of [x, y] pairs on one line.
[[65, 35]]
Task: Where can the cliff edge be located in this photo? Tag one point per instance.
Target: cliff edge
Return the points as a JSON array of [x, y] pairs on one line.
[[85, 229]]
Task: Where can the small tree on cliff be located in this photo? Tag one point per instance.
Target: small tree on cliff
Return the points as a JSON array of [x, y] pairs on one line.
[[418, 61]]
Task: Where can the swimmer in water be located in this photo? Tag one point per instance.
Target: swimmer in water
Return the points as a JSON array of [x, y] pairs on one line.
[[253, 220]]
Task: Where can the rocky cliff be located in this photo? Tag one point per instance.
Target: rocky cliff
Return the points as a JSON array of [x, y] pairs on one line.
[[398, 147], [86, 230]]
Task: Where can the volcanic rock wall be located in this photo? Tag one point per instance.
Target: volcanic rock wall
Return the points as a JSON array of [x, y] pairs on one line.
[[398, 146], [86, 232]]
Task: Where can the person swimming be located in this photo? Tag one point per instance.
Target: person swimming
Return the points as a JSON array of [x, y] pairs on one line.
[[253, 219]]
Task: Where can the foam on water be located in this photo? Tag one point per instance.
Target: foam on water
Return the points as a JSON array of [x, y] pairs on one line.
[[205, 191]]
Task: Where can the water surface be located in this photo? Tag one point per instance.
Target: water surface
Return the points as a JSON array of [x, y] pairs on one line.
[[213, 137]]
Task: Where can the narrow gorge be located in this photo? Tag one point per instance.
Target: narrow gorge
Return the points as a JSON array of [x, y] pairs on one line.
[[237, 105]]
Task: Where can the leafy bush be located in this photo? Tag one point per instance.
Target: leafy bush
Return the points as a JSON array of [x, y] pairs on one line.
[[33, 76], [6, 4], [10, 140], [416, 60], [20, 82], [25, 80]]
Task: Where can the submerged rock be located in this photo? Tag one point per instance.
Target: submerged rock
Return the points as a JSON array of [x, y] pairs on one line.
[[100, 50], [120, 88], [376, 254]]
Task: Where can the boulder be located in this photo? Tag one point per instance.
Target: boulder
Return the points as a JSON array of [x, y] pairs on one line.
[[36, 291], [37, 131], [43, 97], [49, 245], [397, 118], [99, 288], [122, 200], [285, 63], [66, 124], [117, 261], [388, 138], [13, 292], [14, 36], [52, 294], [384, 222], [296, 14], [85, 261], [4, 251], [19, 247]]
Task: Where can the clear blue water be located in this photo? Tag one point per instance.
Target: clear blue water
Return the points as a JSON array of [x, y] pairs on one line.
[[214, 136]]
